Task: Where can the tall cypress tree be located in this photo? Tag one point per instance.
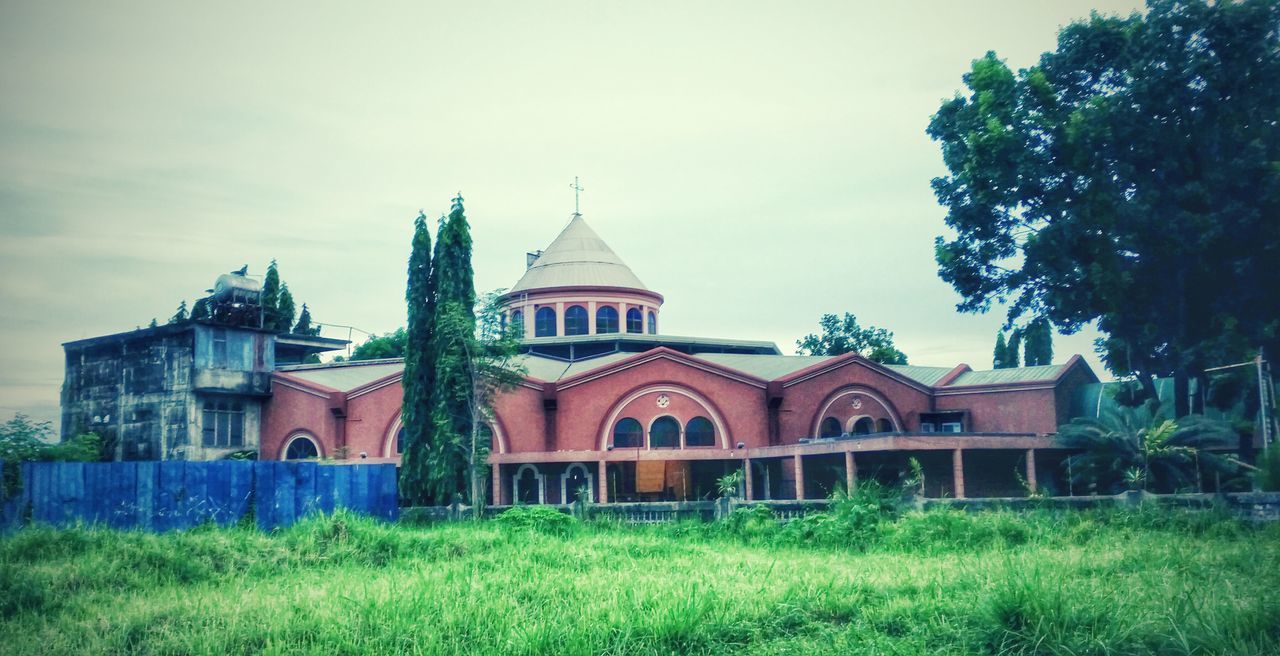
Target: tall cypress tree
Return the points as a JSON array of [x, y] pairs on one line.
[[419, 371], [451, 400], [284, 310], [270, 296], [999, 356], [303, 327], [1013, 352], [1039, 343], [181, 315]]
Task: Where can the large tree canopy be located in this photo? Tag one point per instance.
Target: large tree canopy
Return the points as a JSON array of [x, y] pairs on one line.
[[842, 335], [1132, 178]]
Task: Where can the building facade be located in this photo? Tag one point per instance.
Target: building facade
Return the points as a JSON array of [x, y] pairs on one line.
[[611, 409]]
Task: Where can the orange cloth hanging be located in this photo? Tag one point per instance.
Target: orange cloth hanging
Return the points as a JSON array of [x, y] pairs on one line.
[[651, 476]]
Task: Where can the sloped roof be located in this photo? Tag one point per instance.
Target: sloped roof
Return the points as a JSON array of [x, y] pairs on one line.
[[766, 367], [578, 258], [923, 375], [1046, 373], [345, 376]]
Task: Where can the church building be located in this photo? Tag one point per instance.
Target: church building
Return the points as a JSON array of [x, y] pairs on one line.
[[612, 409]]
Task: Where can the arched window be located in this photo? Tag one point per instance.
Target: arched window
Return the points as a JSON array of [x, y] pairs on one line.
[[884, 426], [301, 448], [576, 477], [606, 319], [635, 321], [699, 432], [664, 434], [544, 322], [653, 323], [627, 434], [528, 485], [517, 323], [830, 428], [400, 441], [575, 320], [864, 426]]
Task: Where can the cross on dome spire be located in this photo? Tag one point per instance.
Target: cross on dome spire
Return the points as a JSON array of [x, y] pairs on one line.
[[577, 189]]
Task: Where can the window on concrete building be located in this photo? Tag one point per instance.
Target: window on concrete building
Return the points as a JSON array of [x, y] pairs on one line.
[[606, 319], [219, 341], [699, 432], [830, 428], [942, 422], [635, 321], [222, 424], [517, 323], [627, 434], [544, 322], [884, 426], [301, 448], [653, 324], [664, 433], [575, 320], [864, 426]]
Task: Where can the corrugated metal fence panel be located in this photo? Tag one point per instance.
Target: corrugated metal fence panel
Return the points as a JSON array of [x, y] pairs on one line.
[[161, 496]]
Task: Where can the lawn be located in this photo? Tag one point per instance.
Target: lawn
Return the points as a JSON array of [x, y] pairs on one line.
[[940, 582]]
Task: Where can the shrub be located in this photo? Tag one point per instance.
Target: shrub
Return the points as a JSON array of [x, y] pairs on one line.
[[540, 519]]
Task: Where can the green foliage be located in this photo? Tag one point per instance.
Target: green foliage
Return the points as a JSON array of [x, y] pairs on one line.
[[23, 440], [728, 484], [541, 519], [1267, 476], [1128, 179], [271, 296], [181, 315], [1001, 353], [1013, 354], [842, 335], [304, 327], [419, 370], [200, 310], [1038, 343], [377, 347], [284, 311], [1139, 448]]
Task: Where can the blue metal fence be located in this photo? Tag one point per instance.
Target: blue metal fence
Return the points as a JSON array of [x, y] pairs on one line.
[[167, 495]]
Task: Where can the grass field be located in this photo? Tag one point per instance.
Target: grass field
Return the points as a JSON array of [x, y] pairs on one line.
[[940, 582]]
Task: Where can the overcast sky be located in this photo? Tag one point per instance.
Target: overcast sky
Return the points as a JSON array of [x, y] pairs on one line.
[[759, 164]]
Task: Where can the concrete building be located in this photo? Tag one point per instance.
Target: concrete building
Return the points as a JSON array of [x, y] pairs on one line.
[[613, 407], [188, 391]]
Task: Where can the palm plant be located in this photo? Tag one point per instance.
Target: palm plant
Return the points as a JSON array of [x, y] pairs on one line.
[[1140, 448]]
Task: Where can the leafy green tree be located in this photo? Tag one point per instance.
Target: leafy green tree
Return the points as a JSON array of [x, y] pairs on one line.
[[154, 323], [1141, 447], [24, 440], [1127, 179], [1001, 353], [1012, 354], [181, 315], [1037, 346], [491, 359], [455, 326], [845, 335], [419, 371], [378, 347], [284, 311]]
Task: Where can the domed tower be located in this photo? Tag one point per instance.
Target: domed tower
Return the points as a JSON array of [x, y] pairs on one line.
[[579, 286]]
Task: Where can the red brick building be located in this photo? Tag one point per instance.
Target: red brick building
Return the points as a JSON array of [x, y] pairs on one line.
[[615, 410]]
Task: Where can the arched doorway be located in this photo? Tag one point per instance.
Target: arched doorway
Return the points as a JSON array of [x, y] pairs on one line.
[[528, 485]]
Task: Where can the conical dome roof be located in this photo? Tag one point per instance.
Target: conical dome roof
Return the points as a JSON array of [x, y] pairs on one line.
[[577, 258]]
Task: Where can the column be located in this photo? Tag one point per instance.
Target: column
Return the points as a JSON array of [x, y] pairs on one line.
[[560, 319], [591, 317], [957, 472], [530, 314], [747, 478], [602, 477], [850, 472], [768, 491], [1031, 471], [497, 485], [799, 464]]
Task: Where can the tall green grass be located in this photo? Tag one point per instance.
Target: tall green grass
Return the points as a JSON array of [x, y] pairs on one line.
[[849, 582]]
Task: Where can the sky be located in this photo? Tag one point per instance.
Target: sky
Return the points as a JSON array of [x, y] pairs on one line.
[[758, 163]]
